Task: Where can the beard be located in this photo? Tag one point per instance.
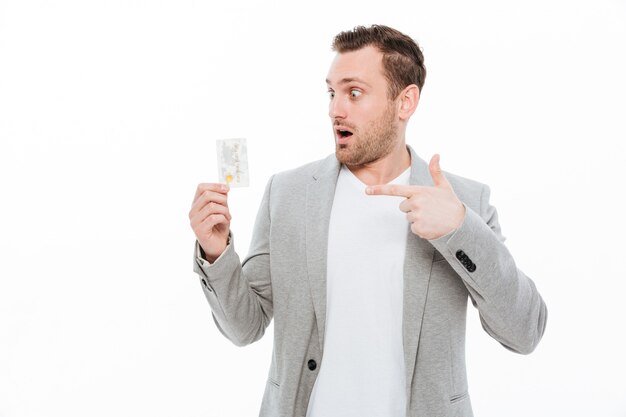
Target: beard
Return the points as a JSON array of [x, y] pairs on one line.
[[371, 143]]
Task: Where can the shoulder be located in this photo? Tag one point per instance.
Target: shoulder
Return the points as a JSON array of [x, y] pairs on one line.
[[286, 192], [473, 193], [464, 184], [301, 176]]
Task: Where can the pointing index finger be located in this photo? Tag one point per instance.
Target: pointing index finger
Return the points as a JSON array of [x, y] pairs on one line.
[[392, 189]]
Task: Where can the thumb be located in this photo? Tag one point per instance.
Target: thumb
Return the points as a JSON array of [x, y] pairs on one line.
[[439, 179]]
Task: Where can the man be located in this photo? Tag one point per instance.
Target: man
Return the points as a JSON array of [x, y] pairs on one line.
[[366, 259]]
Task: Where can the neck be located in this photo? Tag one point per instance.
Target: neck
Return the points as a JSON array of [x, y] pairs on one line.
[[385, 169]]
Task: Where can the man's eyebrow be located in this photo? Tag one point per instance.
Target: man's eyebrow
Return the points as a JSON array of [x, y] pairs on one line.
[[349, 80]]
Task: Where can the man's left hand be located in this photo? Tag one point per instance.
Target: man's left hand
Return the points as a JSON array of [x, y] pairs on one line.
[[432, 211]]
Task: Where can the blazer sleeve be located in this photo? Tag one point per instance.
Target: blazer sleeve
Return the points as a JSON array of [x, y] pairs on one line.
[[240, 293], [510, 307]]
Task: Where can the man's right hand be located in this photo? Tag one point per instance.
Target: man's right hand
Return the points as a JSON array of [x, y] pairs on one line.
[[210, 219]]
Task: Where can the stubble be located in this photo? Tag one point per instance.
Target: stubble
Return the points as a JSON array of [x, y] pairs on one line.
[[371, 143]]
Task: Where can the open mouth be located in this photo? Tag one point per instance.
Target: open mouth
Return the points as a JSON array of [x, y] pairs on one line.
[[343, 135]]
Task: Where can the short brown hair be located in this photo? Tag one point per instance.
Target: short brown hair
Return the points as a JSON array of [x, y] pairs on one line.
[[403, 61]]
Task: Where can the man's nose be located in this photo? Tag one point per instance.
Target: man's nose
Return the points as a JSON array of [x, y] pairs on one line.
[[336, 108]]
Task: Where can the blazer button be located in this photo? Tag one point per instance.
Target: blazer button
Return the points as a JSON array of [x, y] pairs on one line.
[[206, 285], [312, 364], [460, 255]]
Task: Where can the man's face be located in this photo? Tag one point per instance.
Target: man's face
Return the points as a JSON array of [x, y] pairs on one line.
[[365, 122]]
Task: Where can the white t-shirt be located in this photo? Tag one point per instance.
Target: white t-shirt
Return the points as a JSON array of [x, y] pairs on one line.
[[362, 369]]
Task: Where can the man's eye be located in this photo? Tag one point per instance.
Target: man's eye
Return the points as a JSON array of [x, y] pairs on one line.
[[355, 93], [331, 94]]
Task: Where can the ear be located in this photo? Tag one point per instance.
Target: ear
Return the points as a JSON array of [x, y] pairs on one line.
[[409, 97]]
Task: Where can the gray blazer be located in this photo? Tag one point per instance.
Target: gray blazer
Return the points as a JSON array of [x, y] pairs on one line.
[[284, 277]]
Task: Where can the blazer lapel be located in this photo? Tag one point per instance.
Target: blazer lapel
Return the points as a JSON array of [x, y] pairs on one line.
[[418, 258], [319, 201], [417, 265]]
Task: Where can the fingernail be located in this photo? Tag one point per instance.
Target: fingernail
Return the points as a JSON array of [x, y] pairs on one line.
[[368, 190]]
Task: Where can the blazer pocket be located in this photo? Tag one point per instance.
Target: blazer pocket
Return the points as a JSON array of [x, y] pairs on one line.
[[458, 398]]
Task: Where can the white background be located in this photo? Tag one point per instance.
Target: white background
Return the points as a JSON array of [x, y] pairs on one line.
[[109, 111]]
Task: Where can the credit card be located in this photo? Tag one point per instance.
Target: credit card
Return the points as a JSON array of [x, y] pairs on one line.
[[232, 162]]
